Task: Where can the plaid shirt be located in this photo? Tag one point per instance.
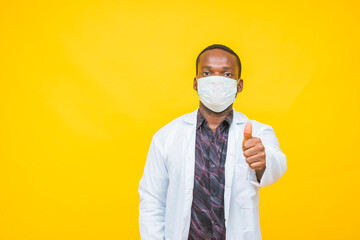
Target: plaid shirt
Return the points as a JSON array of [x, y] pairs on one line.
[[207, 211]]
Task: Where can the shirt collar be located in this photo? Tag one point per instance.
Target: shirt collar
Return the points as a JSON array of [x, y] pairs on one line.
[[228, 119]]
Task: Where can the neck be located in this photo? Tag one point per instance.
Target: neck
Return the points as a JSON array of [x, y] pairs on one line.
[[213, 118]]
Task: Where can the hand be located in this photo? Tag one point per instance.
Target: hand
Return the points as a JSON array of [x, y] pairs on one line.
[[254, 150]]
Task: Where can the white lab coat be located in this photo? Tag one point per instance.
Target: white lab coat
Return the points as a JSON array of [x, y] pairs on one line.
[[166, 187]]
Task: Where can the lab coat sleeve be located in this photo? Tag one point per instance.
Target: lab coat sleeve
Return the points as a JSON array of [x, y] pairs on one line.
[[275, 158], [153, 190]]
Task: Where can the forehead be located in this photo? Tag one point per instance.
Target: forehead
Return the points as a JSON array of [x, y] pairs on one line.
[[217, 58]]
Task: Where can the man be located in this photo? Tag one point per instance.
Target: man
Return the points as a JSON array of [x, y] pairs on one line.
[[204, 169]]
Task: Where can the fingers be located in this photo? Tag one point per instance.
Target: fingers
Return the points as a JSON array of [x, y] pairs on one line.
[[251, 143], [259, 157], [251, 151], [257, 165]]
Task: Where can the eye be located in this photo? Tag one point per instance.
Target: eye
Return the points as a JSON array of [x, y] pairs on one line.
[[206, 73], [227, 74]]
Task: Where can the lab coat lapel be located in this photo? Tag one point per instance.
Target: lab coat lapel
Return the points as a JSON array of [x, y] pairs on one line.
[[233, 150], [190, 135]]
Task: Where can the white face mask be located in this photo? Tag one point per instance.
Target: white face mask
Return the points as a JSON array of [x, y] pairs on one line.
[[217, 92]]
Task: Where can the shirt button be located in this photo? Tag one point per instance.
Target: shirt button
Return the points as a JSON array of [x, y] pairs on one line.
[[213, 194], [212, 165]]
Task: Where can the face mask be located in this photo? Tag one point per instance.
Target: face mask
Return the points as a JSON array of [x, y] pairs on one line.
[[217, 92]]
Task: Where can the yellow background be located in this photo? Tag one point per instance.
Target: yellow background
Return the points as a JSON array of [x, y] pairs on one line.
[[85, 85]]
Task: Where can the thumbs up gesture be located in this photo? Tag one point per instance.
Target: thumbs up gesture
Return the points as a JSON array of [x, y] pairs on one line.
[[254, 150]]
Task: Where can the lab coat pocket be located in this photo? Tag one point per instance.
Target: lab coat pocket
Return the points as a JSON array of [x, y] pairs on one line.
[[245, 187]]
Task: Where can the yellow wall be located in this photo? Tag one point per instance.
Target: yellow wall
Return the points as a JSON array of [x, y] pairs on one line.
[[85, 85]]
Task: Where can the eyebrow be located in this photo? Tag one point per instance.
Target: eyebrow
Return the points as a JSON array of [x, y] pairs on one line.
[[225, 67]]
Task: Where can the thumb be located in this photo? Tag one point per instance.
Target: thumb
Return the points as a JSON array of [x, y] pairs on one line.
[[247, 132]]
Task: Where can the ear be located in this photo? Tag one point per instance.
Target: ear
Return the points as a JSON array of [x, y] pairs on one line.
[[239, 86], [195, 84]]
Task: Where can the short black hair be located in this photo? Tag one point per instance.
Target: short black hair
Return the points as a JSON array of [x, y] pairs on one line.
[[223, 47]]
